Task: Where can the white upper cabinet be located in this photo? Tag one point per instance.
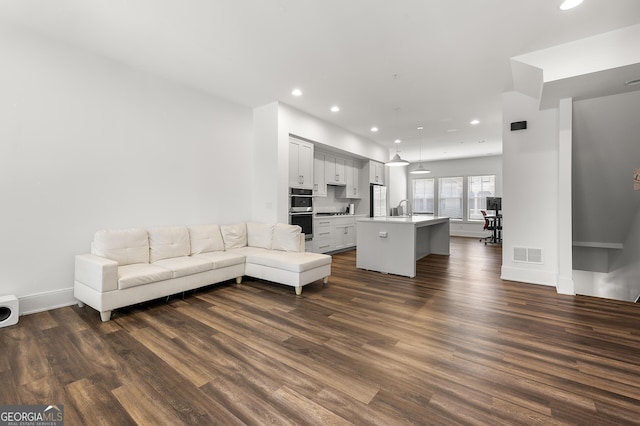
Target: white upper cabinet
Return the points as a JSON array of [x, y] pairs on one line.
[[353, 180], [319, 183], [334, 170], [376, 173], [300, 164], [352, 190]]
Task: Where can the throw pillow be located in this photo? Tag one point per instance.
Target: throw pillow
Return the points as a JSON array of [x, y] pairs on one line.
[[165, 243], [205, 238], [260, 235], [234, 236], [286, 237], [125, 246]]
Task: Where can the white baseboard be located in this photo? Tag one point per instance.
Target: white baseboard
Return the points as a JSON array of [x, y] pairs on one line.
[[566, 286], [528, 276], [467, 233], [45, 301]]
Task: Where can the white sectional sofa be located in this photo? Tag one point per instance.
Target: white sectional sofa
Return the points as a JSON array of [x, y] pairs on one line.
[[130, 266]]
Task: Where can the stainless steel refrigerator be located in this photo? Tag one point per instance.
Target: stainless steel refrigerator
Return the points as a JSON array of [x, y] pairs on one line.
[[378, 201]]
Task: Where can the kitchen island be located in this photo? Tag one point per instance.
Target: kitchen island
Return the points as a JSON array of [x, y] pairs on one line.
[[392, 244]]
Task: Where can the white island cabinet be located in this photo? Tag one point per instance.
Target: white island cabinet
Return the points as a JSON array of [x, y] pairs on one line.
[[394, 244]]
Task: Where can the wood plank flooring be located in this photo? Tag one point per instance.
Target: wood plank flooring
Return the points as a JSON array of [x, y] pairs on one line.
[[455, 345]]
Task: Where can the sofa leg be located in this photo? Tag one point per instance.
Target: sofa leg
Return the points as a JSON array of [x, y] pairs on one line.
[[238, 280], [325, 281], [298, 290], [80, 304], [105, 316]]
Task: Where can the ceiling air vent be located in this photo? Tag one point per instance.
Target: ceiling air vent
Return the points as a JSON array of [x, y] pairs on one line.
[[527, 255]]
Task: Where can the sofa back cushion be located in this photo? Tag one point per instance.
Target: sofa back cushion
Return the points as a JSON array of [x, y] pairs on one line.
[[165, 243], [260, 235], [125, 246], [205, 239], [286, 237], [234, 236]]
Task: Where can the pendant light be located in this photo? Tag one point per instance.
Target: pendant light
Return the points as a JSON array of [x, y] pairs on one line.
[[396, 160], [420, 170]]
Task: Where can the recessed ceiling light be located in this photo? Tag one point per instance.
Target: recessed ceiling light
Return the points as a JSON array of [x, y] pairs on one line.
[[569, 4], [420, 127], [374, 129], [296, 92], [335, 108], [632, 82], [397, 141], [474, 121]]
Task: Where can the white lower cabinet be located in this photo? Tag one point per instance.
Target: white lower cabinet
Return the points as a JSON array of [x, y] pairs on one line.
[[344, 236], [322, 235], [334, 233]]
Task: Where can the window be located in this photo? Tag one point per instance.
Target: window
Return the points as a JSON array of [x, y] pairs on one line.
[[480, 187], [450, 197], [423, 195]]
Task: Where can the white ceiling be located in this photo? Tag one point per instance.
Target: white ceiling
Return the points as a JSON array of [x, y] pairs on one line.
[[439, 63]]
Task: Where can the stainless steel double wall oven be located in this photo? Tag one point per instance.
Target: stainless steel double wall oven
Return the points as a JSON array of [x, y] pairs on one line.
[[301, 210]]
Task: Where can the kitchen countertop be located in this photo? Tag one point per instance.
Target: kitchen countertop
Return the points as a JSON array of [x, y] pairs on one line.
[[331, 216], [415, 219]]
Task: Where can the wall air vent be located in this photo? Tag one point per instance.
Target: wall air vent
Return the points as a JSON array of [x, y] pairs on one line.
[[527, 255]]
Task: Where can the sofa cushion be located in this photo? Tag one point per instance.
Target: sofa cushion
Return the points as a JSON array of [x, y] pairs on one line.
[[294, 262], [140, 274], [165, 243], [185, 265], [221, 259], [205, 238], [125, 246], [234, 236], [260, 234], [246, 251], [286, 237]]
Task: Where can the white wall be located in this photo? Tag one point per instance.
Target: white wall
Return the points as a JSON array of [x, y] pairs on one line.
[[564, 283], [265, 165], [86, 143], [610, 273], [397, 185], [623, 279], [530, 189]]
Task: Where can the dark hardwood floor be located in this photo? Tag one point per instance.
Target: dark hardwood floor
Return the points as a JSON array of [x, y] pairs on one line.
[[455, 345]]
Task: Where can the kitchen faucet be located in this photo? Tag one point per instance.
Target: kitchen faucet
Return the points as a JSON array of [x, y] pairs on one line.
[[409, 210]]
